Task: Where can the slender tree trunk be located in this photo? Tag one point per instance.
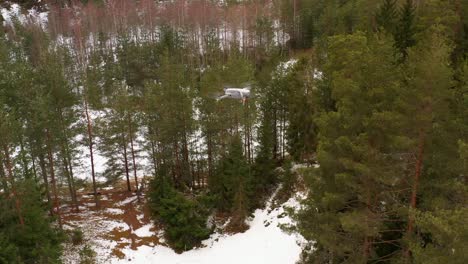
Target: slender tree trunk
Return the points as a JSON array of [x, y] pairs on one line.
[[90, 138], [414, 192], [133, 157], [42, 164], [71, 188], [185, 153], [177, 165], [72, 178], [367, 239], [275, 136], [24, 160], [67, 160], [192, 173], [153, 150], [34, 168], [283, 134], [153, 156], [52, 177], [210, 155], [248, 131], [199, 173], [127, 174], [12, 184]]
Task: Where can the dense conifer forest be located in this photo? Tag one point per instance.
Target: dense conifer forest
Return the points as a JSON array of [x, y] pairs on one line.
[[368, 97]]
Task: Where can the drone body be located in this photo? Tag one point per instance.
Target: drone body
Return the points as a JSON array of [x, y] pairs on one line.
[[236, 93]]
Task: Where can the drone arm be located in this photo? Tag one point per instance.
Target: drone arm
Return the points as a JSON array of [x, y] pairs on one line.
[[222, 97]]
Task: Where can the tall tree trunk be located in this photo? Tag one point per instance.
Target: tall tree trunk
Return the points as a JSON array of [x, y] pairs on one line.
[[34, 168], [153, 156], [67, 160], [133, 157], [42, 164], [72, 177], [90, 138], [414, 192], [275, 136], [192, 173], [185, 153], [177, 164], [127, 174], [24, 160], [367, 239], [199, 173], [210, 155], [283, 134], [52, 178], [153, 149], [70, 184], [247, 131]]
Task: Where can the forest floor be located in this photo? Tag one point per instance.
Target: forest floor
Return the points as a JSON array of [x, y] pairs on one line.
[[120, 222], [121, 231]]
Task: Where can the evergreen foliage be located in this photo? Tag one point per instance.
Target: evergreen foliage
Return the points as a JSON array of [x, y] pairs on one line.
[[406, 29], [34, 242], [184, 218], [387, 16], [391, 123], [232, 183], [375, 92]]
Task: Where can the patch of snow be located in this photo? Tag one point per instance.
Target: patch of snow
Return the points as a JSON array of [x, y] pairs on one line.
[[114, 211], [127, 201], [264, 242], [140, 217], [111, 225], [94, 231], [295, 167], [144, 231]]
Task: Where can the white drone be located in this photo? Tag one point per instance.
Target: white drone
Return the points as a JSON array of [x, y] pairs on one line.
[[235, 93]]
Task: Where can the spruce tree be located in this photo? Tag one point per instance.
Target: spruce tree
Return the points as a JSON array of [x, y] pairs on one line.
[[405, 31], [232, 184], [264, 165], [387, 16], [34, 242]]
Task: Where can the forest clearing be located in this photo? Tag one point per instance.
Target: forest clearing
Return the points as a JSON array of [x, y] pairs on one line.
[[122, 232]]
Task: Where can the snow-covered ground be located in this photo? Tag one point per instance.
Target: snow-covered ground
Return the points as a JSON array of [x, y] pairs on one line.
[[122, 232], [264, 242]]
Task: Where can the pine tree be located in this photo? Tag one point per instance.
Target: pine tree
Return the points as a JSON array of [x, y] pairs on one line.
[[114, 144], [438, 126], [356, 172]]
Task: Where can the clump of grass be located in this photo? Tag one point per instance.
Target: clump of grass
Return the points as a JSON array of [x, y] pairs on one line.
[[87, 255], [77, 236]]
